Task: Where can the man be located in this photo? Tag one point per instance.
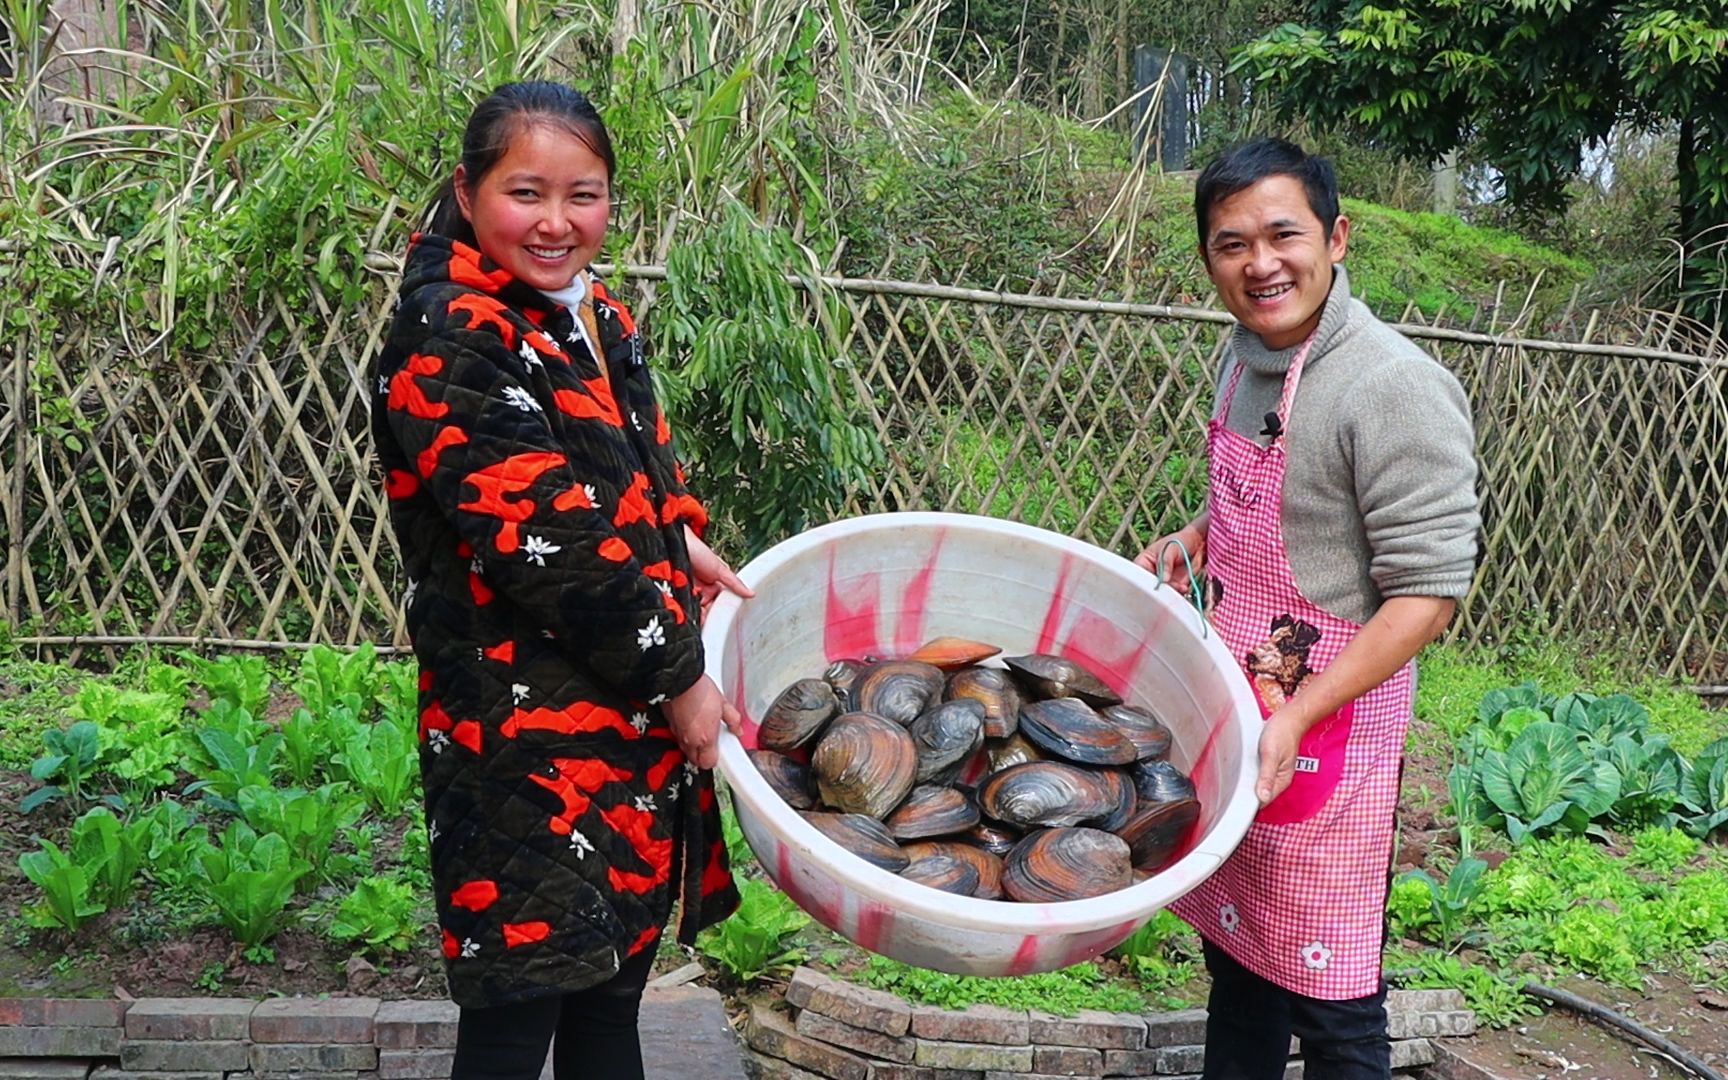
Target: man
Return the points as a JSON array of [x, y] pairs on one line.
[[1339, 534]]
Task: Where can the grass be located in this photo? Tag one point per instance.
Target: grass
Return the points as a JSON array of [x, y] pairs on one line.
[[33, 698], [1064, 993]]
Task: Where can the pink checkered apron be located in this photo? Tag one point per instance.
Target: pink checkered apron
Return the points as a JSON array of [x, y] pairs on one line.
[[1301, 902]]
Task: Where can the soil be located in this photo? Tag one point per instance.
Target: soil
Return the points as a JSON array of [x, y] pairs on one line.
[[1562, 1044]]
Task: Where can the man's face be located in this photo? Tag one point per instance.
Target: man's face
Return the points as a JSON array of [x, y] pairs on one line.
[[1270, 259]]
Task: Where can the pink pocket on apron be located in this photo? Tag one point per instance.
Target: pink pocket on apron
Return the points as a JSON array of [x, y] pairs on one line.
[[1319, 766]]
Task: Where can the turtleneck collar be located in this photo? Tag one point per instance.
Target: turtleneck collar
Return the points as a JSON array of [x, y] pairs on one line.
[[1257, 358]]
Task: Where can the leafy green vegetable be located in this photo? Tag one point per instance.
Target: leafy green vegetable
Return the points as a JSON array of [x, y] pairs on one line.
[[328, 676], [239, 680], [1541, 778], [110, 853], [754, 941], [1704, 790], [251, 879], [66, 767], [67, 897], [382, 913], [1448, 903], [310, 821]]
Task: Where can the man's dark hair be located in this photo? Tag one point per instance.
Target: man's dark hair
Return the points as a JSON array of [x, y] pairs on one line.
[[1246, 164]]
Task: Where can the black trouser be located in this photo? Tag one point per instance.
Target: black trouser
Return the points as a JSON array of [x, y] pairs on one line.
[[1249, 1022], [595, 1028]]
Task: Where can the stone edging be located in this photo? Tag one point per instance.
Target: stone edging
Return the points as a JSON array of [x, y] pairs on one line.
[[349, 1038], [847, 1032]]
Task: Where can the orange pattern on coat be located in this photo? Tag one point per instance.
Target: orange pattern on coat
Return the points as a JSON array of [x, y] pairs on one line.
[[597, 404], [511, 476], [406, 395], [525, 933], [427, 460], [485, 311], [581, 717], [633, 505], [634, 825], [577, 779], [475, 895]]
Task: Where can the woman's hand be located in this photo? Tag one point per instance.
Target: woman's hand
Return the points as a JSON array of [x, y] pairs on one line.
[[1162, 558], [712, 573], [696, 716]]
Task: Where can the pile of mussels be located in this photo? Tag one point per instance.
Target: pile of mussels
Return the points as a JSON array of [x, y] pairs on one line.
[[1073, 794]]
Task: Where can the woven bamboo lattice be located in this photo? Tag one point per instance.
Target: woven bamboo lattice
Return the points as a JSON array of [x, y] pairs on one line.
[[230, 498]]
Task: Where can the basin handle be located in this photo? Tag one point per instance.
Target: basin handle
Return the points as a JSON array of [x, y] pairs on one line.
[[1195, 595]]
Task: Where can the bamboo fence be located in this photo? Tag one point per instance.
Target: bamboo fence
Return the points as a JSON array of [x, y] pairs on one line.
[[227, 498]]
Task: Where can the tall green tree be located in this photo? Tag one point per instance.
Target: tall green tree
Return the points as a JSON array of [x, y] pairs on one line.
[[1523, 86]]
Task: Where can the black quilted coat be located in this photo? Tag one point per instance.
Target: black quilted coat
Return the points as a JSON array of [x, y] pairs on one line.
[[540, 515]]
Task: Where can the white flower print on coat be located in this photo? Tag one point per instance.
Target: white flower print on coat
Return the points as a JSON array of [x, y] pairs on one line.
[[522, 399], [536, 548], [651, 635], [1317, 956]]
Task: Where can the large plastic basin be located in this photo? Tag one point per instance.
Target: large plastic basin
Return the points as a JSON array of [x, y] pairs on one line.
[[881, 585]]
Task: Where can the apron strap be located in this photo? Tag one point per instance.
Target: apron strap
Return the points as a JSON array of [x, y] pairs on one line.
[[1292, 378]]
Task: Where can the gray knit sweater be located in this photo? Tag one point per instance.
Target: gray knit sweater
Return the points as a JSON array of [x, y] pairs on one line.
[[1380, 489]]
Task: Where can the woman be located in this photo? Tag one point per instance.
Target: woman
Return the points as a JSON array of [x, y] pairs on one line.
[[556, 581]]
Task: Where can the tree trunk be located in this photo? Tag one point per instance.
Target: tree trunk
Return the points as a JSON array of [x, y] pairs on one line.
[[624, 22], [1446, 185], [1686, 172]]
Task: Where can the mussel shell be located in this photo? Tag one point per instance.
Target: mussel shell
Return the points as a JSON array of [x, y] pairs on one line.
[[790, 779], [798, 715], [899, 690], [944, 872], [1073, 730], [864, 764], [1150, 737], [1048, 676], [1048, 793], [946, 735], [1160, 781], [989, 866], [932, 811], [953, 652], [994, 837], [995, 689], [1016, 749], [1117, 781], [843, 676], [1156, 831], [863, 836], [1066, 864]]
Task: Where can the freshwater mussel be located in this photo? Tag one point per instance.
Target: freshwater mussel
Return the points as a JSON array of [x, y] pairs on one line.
[[1032, 781]]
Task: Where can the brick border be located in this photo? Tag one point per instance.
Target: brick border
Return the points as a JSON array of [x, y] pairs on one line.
[[337, 1038], [836, 1030], [841, 1031]]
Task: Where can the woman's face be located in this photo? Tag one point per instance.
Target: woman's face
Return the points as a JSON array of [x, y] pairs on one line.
[[540, 211]]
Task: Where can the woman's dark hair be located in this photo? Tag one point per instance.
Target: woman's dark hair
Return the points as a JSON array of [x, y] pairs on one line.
[[1246, 164], [497, 120]]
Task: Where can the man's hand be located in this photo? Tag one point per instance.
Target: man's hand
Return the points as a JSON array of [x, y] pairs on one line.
[[696, 716], [1162, 558], [711, 572], [1278, 743]]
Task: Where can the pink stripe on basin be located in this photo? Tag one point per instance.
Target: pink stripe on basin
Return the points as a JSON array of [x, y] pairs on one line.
[[910, 632], [849, 621]]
